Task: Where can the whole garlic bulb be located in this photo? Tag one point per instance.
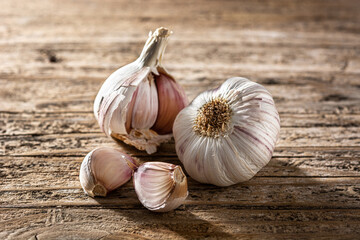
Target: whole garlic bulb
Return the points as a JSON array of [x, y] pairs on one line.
[[160, 187], [138, 103], [226, 135], [105, 169]]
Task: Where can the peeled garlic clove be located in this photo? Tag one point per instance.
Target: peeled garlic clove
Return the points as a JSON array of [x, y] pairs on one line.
[[105, 169], [160, 187], [172, 99], [226, 135], [133, 103]]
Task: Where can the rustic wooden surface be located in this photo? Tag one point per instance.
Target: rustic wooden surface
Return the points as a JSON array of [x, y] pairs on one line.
[[54, 56]]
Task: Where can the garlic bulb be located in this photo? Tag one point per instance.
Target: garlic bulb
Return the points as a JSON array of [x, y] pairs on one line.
[[160, 187], [226, 135], [105, 169], [138, 103]]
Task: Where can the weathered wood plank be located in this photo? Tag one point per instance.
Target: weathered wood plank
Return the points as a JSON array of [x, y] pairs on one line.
[[54, 223], [191, 75], [48, 60], [78, 95], [63, 173], [260, 192], [289, 137], [18, 123], [341, 16], [39, 172]]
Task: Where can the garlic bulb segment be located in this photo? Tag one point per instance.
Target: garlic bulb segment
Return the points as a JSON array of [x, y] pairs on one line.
[[105, 169], [160, 187], [172, 100], [138, 103], [226, 135]]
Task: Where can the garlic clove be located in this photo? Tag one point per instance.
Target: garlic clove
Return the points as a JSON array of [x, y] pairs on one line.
[[145, 109], [160, 187], [105, 169], [172, 99], [226, 135], [129, 114]]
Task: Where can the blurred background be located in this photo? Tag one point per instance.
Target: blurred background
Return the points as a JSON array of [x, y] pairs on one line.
[[82, 42]]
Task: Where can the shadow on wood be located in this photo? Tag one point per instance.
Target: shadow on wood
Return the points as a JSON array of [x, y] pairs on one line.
[[182, 222], [187, 222]]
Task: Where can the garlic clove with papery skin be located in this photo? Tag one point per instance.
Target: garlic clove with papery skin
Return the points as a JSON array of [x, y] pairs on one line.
[[145, 106], [172, 100], [160, 187], [105, 169], [226, 135], [138, 103]]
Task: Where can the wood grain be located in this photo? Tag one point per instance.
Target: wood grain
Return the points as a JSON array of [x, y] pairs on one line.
[[55, 54]]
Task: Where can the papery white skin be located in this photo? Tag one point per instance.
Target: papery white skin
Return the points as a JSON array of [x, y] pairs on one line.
[[127, 118], [105, 169], [249, 141], [160, 187], [145, 106]]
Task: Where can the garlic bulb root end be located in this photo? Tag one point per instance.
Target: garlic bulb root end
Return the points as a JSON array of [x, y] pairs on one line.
[[98, 190], [179, 175], [143, 139]]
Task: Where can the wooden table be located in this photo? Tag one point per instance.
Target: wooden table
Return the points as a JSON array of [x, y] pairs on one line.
[[54, 55]]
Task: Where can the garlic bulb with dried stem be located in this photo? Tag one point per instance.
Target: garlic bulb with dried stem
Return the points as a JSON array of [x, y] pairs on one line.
[[160, 187], [226, 135], [138, 103], [105, 169]]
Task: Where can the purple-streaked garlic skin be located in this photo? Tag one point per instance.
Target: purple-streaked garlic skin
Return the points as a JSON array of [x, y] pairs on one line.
[[105, 169], [138, 103], [226, 135], [160, 187], [172, 99]]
